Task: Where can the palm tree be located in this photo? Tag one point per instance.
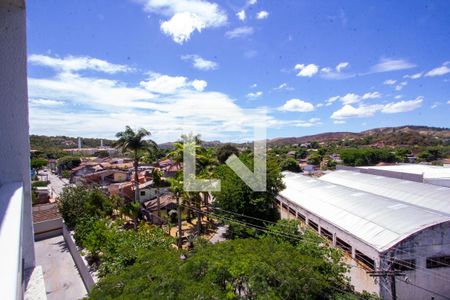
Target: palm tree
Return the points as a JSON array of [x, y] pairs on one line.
[[136, 144], [157, 180]]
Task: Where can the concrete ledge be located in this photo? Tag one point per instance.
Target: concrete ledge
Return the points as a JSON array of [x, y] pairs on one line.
[[79, 262], [35, 285], [47, 229]]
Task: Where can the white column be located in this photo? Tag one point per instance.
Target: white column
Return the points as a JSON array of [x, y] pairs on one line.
[[14, 128]]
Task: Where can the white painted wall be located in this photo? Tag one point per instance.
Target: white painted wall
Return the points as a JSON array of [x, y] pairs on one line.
[[14, 129]]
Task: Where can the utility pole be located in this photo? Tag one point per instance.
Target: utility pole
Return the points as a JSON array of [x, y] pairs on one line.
[[391, 274]]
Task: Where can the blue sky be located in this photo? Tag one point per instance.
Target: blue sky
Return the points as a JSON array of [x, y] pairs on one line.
[[219, 67]]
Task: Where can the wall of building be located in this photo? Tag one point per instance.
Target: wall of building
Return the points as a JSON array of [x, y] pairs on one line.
[[360, 279], [429, 243], [14, 128]]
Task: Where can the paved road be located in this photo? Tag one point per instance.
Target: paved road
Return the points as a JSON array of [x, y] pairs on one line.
[[56, 183], [62, 280]]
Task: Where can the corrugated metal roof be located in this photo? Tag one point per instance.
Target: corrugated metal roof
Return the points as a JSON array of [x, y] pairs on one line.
[[425, 195], [377, 221]]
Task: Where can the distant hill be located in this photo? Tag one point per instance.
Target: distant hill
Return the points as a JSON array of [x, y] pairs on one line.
[[41, 142], [390, 136]]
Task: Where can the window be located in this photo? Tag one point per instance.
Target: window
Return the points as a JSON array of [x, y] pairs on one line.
[[404, 264], [313, 225], [301, 217], [326, 233], [291, 211], [142, 193], [343, 245], [365, 260], [438, 262]]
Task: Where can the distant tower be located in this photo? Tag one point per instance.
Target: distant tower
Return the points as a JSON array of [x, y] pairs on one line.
[[101, 143], [79, 142]]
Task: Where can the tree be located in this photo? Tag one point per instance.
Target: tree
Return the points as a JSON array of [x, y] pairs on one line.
[[38, 163], [314, 159], [225, 151], [157, 182], [135, 143], [76, 203], [237, 269], [237, 197], [68, 163], [290, 164], [301, 153]]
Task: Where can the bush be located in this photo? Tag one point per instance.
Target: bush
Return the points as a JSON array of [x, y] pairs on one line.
[[115, 248], [290, 164], [38, 163], [68, 162], [39, 184], [76, 203]]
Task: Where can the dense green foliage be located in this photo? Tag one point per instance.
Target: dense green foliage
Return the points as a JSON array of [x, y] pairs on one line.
[[366, 156], [68, 163], [237, 197], [225, 151], [42, 142], [290, 164], [38, 163], [266, 268], [77, 203], [112, 248]]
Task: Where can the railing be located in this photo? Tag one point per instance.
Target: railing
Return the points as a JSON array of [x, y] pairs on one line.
[[11, 205]]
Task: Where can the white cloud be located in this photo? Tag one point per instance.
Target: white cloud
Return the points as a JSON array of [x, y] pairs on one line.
[[241, 15], [309, 123], [255, 94], [363, 111], [199, 85], [306, 70], [164, 84], [350, 98], [254, 85], [239, 32], [439, 71], [186, 16], [388, 65], [319, 104], [342, 66], [402, 106], [165, 105], [389, 82], [339, 122], [284, 86], [201, 63], [400, 86], [262, 15], [371, 95], [414, 76], [398, 96], [435, 104], [297, 105], [77, 63], [331, 100], [46, 102], [252, 2]]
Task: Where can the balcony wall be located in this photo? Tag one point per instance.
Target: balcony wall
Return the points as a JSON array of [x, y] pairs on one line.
[[14, 128]]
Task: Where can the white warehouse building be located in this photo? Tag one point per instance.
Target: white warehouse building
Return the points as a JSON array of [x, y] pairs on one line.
[[385, 225]]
